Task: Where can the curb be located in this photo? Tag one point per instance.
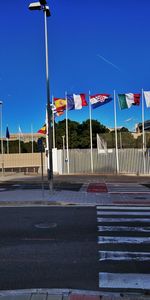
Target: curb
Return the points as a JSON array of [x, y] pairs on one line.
[[70, 294]]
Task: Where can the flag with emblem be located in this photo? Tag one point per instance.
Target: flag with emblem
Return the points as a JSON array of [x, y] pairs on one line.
[[99, 100]]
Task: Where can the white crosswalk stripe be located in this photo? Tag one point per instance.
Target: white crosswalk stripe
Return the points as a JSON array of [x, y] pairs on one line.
[[127, 188], [124, 248]]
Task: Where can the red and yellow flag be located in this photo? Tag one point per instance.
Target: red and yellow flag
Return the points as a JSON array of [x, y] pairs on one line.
[[42, 129], [60, 104]]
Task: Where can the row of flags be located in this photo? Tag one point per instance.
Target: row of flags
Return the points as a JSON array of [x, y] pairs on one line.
[[78, 101], [8, 134]]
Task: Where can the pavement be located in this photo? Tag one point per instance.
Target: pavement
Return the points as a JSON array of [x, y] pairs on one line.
[[37, 294], [98, 190]]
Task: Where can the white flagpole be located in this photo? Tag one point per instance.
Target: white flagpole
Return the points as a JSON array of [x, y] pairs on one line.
[[19, 141], [116, 138], [32, 137], [7, 146], [143, 132], [53, 120], [67, 144], [91, 142], [2, 146]]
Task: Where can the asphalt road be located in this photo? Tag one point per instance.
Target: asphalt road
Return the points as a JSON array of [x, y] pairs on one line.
[[75, 247], [48, 247]]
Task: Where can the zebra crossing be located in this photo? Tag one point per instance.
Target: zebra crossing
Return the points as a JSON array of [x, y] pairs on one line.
[[124, 248], [127, 188]]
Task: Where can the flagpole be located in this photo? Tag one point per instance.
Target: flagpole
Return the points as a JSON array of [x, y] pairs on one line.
[[7, 146], [143, 132], [91, 143], [2, 148], [67, 144], [116, 138], [53, 120], [19, 142], [32, 137]]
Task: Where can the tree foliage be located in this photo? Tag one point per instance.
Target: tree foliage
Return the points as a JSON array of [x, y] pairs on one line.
[[79, 137]]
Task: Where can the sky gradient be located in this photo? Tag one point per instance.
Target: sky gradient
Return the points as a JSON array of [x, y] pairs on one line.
[[95, 46]]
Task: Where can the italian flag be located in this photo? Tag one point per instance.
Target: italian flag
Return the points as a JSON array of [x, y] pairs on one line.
[[127, 100]]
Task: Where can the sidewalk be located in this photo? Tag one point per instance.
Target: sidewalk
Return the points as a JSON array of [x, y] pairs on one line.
[[86, 196], [43, 294], [115, 194]]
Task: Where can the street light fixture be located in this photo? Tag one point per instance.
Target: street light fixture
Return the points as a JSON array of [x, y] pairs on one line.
[[42, 5], [35, 6]]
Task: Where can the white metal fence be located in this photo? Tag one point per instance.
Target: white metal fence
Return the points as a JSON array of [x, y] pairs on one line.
[[131, 161]]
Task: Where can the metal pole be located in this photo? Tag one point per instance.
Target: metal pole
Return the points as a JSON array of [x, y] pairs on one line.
[[2, 149], [91, 139], [63, 137], [49, 111], [143, 133], [116, 138], [53, 119], [42, 173], [32, 137]]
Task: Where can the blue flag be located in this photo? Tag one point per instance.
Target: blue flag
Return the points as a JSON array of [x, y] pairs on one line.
[[7, 133]]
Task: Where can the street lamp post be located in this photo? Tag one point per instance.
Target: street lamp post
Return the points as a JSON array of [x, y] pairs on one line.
[[2, 149], [42, 5]]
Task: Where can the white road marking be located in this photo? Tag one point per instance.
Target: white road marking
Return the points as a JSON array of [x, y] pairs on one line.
[[124, 256], [123, 228], [140, 220], [123, 240], [129, 208], [124, 213], [124, 280]]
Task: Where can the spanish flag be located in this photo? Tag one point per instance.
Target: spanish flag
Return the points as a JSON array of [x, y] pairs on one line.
[[42, 129], [60, 104]]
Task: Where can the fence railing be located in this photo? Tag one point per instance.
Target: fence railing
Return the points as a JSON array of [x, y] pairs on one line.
[[131, 161]]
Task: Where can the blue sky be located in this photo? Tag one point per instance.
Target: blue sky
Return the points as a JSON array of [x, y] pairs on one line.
[[97, 45]]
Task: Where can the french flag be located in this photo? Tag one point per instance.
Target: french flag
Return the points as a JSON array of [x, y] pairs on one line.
[[76, 101]]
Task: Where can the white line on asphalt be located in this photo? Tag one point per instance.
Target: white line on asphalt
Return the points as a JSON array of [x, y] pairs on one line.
[[132, 193], [123, 240], [124, 280], [125, 213], [123, 228], [124, 255], [140, 220], [129, 208]]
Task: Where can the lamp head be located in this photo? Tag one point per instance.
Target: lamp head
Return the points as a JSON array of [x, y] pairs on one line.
[[35, 6]]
